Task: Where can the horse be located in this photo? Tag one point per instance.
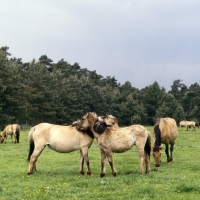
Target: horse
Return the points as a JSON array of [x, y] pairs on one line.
[[165, 132], [115, 139], [62, 139], [110, 120], [187, 124], [13, 130]]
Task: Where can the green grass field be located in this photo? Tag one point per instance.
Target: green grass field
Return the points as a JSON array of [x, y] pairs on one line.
[[57, 174]]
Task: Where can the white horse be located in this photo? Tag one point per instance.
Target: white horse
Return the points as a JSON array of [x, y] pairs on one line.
[[188, 123], [63, 139]]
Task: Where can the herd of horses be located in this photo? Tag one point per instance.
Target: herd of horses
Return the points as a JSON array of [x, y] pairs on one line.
[[110, 138]]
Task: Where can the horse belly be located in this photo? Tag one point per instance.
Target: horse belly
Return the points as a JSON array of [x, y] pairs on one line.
[[122, 144], [64, 146]]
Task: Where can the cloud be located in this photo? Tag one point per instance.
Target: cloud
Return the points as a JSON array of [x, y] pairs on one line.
[[138, 41]]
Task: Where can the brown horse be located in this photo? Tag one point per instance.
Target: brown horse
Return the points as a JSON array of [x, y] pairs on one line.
[[165, 132], [111, 139], [62, 139], [13, 130]]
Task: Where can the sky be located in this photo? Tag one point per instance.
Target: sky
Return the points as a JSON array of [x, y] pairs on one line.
[[140, 41]]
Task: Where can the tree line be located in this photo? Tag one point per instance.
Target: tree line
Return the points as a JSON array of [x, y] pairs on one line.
[[60, 93]]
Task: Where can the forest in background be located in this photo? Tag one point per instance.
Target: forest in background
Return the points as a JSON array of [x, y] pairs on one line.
[[60, 93]]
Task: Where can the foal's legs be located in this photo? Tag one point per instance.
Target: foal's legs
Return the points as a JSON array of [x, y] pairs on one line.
[[110, 160], [140, 148], [103, 163], [147, 162], [36, 153]]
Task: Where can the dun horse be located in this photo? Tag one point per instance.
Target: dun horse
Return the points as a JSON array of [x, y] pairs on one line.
[[188, 123], [13, 130], [166, 132], [112, 139], [62, 139]]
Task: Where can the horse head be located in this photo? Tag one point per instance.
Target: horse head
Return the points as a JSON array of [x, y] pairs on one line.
[[109, 120], [87, 121], [157, 151], [1, 138]]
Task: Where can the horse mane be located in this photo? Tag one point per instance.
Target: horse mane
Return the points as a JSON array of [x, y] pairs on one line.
[[99, 127], [77, 124], [157, 134]]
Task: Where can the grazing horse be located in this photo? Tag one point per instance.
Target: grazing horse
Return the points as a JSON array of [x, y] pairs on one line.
[[188, 123], [13, 130], [165, 132], [112, 139], [62, 139]]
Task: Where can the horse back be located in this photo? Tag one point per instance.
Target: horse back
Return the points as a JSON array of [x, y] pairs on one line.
[[8, 129], [169, 130]]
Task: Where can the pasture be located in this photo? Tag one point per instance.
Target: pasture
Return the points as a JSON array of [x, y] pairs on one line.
[[57, 175]]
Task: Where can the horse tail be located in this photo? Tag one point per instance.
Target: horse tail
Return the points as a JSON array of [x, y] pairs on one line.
[[17, 133], [147, 146], [31, 143]]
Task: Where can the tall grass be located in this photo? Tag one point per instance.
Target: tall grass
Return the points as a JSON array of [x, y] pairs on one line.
[[57, 174]]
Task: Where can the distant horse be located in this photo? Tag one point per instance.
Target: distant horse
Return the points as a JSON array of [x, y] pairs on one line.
[[62, 139], [165, 132], [13, 130], [112, 139], [188, 124]]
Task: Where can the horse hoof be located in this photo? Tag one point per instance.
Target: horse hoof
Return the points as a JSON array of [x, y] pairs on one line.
[[154, 169], [82, 173], [89, 173], [102, 175]]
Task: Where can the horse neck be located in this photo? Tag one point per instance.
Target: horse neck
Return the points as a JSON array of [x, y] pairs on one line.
[[3, 133], [157, 135]]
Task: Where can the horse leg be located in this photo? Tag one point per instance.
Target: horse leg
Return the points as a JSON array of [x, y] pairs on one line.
[[141, 153], [171, 150], [147, 162], [81, 163], [167, 152], [103, 163], [84, 157], [15, 138], [110, 160], [36, 153], [5, 138]]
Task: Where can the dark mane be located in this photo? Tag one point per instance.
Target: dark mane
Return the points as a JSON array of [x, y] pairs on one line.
[[89, 132], [157, 134], [99, 127], [77, 124]]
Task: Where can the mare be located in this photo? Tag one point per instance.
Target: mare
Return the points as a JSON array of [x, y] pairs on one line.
[[114, 139], [13, 130], [165, 132], [62, 139], [188, 124]]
